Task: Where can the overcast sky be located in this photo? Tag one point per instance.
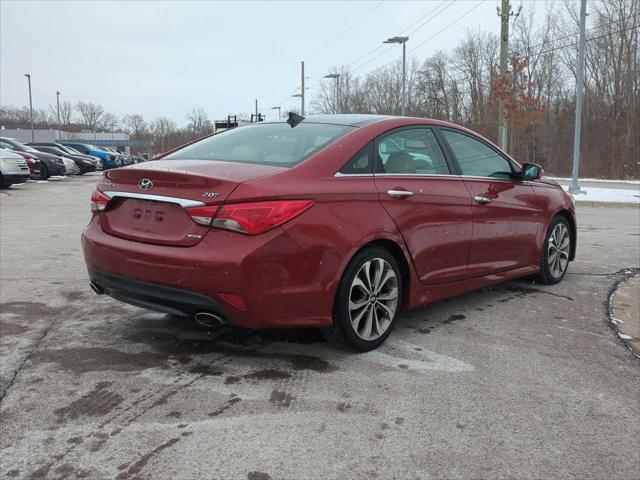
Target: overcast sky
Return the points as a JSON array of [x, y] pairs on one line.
[[165, 58]]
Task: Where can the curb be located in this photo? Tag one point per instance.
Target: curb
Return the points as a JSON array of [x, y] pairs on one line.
[[587, 203]]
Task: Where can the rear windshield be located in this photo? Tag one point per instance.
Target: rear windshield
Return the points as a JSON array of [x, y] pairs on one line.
[[268, 144]]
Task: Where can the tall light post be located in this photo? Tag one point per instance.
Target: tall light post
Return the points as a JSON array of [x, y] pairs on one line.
[[301, 96], [403, 42], [58, 102], [336, 76], [575, 187], [33, 137], [279, 111]]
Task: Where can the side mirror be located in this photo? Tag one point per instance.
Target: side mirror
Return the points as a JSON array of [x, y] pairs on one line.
[[531, 171]]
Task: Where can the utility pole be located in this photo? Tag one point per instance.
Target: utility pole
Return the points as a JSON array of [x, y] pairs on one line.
[[575, 188], [58, 102], [33, 137], [302, 88], [256, 107], [505, 13]]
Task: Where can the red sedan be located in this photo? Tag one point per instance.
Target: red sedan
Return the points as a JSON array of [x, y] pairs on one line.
[[338, 222]]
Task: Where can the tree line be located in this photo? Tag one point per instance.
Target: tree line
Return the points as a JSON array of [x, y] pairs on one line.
[[461, 84], [160, 133]]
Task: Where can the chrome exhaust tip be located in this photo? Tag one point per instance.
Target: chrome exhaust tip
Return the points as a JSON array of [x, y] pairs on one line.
[[209, 320], [96, 288]]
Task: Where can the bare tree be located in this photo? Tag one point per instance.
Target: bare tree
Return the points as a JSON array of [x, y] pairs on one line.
[[163, 128], [199, 123], [136, 125], [91, 113]]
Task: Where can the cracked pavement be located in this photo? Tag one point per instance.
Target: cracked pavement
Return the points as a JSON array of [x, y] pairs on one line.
[[517, 381]]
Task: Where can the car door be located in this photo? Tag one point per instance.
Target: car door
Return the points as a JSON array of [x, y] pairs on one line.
[[506, 216], [430, 206]]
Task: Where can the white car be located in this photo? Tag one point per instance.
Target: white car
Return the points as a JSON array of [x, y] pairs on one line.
[[13, 168], [70, 166]]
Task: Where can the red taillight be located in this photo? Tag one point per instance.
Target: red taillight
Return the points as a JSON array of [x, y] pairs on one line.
[[98, 201], [249, 218], [235, 300], [202, 215]]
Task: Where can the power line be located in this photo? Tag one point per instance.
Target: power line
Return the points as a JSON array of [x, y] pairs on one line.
[[345, 31], [435, 13]]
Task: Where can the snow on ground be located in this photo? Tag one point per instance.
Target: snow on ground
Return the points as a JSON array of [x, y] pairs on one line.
[[597, 194], [602, 180]]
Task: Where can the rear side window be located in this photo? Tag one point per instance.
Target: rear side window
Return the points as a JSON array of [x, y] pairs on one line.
[[360, 164], [475, 158], [267, 143], [410, 151]]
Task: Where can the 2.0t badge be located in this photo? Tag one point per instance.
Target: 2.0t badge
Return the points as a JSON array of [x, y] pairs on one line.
[[145, 184]]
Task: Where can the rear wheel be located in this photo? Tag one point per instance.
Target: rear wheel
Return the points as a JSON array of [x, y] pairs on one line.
[[554, 259], [367, 302]]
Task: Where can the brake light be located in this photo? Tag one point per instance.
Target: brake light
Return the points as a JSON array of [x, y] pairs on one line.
[[98, 201], [202, 215], [257, 217]]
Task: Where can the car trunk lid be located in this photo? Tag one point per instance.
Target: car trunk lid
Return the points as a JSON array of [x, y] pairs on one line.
[[149, 201]]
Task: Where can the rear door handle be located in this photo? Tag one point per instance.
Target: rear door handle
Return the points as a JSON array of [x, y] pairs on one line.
[[399, 193], [481, 199]]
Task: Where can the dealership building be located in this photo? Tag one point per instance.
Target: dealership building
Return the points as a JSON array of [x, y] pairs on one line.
[[118, 141]]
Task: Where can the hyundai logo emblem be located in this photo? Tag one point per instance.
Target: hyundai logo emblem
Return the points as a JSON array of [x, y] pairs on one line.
[[145, 184]]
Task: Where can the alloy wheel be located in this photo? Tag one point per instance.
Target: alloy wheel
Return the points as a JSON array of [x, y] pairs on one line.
[[373, 299], [558, 250]]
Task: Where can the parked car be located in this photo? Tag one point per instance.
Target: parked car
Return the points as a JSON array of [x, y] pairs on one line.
[[70, 167], [83, 163], [307, 223], [108, 159], [49, 164], [13, 168], [70, 152], [34, 165]]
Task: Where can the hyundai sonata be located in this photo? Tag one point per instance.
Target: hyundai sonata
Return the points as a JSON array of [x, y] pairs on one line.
[[337, 222]]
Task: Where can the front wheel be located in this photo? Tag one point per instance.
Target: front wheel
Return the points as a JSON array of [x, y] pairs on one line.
[[554, 259], [44, 171], [367, 302]]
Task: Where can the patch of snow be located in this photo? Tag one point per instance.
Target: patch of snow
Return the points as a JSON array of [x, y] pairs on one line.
[[603, 180], [597, 194], [624, 336]]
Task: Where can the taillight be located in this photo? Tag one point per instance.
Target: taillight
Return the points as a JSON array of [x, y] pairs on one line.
[[202, 215], [98, 201], [250, 218]]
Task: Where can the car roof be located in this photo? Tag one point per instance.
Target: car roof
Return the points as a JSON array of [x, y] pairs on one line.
[[349, 119]]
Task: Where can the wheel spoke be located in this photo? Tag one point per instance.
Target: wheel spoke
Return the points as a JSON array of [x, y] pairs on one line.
[[388, 274], [357, 282], [387, 310], [391, 294], [368, 323], [377, 274], [366, 269], [355, 322], [356, 304]]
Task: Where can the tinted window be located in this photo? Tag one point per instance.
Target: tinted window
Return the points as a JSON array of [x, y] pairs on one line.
[[475, 158], [267, 143], [412, 151], [360, 163]]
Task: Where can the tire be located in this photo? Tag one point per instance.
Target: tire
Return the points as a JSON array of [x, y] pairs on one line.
[[554, 260], [44, 171], [363, 317]]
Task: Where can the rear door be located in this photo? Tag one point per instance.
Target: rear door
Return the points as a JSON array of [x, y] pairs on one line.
[[506, 216], [429, 204]]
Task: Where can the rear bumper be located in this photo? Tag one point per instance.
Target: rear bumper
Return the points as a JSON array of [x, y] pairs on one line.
[[156, 297], [280, 285]]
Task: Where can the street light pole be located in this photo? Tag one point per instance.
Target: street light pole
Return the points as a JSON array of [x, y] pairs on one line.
[[336, 76], [33, 137], [403, 41], [575, 188], [58, 102]]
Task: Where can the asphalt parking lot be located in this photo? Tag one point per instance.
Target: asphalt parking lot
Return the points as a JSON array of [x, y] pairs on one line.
[[518, 381]]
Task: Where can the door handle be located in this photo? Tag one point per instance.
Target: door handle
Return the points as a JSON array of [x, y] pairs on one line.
[[481, 199], [399, 193]]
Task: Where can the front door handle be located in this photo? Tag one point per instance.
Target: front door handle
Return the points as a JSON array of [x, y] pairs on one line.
[[481, 199], [399, 193]]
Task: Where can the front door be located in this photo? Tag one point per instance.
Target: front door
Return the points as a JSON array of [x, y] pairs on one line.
[[430, 206], [506, 216]]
